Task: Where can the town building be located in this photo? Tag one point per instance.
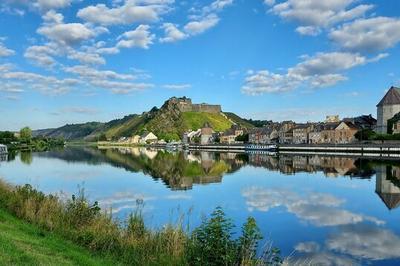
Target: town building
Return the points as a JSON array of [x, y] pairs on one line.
[[263, 135], [396, 127], [338, 133], [332, 119], [387, 108], [363, 121], [301, 133], [148, 138], [206, 134], [230, 135], [284, 136]]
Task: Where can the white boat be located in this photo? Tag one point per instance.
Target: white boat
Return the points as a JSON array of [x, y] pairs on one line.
[[261, 147], [3, 149]]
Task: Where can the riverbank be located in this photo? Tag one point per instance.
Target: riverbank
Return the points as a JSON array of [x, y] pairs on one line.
[[22, 243], [131, 242]]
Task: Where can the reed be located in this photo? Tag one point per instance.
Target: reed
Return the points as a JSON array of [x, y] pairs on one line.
[[131, 242]]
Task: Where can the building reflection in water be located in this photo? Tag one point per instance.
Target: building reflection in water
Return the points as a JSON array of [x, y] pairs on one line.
[[388, 185], [180, 170]]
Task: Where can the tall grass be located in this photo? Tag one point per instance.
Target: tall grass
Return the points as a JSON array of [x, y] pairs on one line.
[[131, 242]]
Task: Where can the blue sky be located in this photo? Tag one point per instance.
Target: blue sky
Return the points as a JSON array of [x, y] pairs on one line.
[[70, 61]]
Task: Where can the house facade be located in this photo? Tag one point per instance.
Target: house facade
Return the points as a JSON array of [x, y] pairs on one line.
[[387, 108], [148, 137]]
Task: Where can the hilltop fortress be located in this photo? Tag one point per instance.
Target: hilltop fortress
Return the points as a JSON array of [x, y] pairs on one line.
[[185, 105]]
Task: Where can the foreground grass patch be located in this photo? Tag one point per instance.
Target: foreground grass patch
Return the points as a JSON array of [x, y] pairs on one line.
[[25, 244]]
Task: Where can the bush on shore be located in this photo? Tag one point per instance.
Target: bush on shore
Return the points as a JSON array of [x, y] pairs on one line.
[[212, 243]]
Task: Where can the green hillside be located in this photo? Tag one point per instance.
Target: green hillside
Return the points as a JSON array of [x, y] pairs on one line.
[[167, 123]]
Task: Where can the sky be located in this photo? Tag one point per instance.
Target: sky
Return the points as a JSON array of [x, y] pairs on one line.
[[72, 61]]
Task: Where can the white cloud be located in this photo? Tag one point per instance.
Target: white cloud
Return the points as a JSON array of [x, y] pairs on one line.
[[365, 241], [318, 208], [115, 82], [48, 85], [4, 51], [140, 37], [320, 70], [42, 55], [66, 33], [132, 11], [92, 73], [200, 26], [314, 15], [200, 21], [52, 4], [368, 35], [87, 58], [172, 33]]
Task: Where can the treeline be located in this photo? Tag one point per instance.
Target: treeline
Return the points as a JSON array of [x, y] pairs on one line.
[[368, 134], [23, 140], [132, 242]]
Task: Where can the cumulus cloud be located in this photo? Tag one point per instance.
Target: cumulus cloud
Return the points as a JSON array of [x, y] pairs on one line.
[[201, 20], [320, 70], [48, 85], [115, 82], [200, 26], [172, 33], [140, 37], [311, 253], [132, 11], [42, 55], [365, 241], [4, 51], [314, 15], [52, 4], [317, 208], [68, 34], [368, 35]]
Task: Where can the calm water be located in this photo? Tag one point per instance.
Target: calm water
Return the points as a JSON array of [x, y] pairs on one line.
[[327, 210]]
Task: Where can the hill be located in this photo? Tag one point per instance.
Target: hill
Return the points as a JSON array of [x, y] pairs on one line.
[[169, 122]]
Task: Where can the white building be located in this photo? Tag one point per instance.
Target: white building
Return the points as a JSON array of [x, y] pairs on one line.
[[148, 137]]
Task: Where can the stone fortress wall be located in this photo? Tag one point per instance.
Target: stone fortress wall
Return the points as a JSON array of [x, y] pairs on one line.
[[185, 105]]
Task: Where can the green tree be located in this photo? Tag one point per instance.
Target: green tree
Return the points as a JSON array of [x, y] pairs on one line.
[[25, 134]]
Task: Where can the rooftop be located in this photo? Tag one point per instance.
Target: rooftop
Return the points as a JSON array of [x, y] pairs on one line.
[[392, 97]]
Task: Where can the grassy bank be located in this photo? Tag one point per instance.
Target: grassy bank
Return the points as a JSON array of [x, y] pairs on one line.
[[24, 244], [131, 242]]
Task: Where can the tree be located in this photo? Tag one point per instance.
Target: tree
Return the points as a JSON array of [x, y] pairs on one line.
[[25, 134], [244, 138], [365, 134]]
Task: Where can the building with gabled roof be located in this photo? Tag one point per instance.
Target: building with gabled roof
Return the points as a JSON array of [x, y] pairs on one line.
[[387, 108]]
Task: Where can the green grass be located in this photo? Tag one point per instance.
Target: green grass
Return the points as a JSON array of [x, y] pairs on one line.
[[194, 121], [25, 244]]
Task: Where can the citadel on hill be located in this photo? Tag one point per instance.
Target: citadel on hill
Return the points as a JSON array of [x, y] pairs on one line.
[[185, 104]]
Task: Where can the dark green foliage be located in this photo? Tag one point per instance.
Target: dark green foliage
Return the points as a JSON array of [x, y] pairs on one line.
[[365, 134], [248, 242], [6, 137], [212, 243], [391, 122], [244, 138]]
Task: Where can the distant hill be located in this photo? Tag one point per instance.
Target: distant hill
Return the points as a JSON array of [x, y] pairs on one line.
[[168, 122]]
